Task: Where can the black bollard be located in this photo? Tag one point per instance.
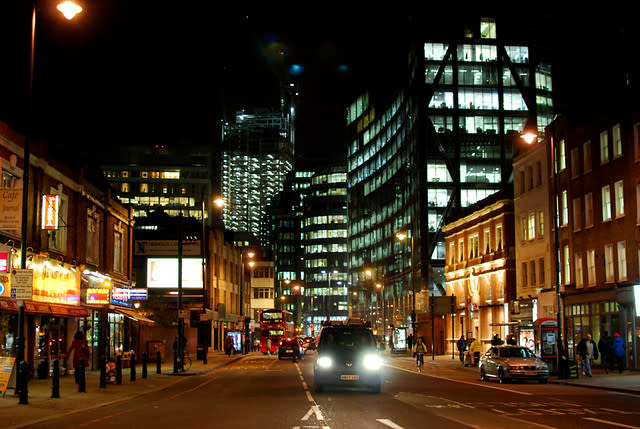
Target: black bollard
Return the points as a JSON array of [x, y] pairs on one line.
[[158, 362], [204, 356], [23, 369], [55, 381], [82, 381], [133, 366], [144, 364], [118, 369]]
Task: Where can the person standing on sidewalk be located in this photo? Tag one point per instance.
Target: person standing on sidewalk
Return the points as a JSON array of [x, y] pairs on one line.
[[461, 344], [605, 346], [475, 349], [588, 351], [80, 348], [619, 350]]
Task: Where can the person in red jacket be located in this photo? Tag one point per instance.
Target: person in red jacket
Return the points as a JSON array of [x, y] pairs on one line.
[[80, 348]]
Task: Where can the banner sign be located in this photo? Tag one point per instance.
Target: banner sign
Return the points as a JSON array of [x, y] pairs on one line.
[[6, 369], [50, 211], [97, 296], [10, 208]]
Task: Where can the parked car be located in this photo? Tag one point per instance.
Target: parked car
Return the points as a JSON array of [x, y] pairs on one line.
[[512, 362], [290, 349]]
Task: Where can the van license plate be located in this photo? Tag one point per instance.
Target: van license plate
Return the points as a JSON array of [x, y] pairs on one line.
[[350, 377]]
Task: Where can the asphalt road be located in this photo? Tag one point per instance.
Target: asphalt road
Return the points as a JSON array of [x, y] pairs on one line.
[[263, 392]]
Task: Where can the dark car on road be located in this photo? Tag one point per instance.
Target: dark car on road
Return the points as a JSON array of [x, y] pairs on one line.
[[346, 355], [290, 349]]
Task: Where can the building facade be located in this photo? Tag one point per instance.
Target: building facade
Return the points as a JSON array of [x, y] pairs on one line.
[[423, 154], [480, 271]]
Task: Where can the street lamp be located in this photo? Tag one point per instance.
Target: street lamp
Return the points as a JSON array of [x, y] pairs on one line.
[[245, 318], [401, 235], [69, 10], [530, 136], [380, 287]]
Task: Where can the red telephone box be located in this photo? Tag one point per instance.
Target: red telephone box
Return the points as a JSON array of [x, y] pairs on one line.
[[546, 341]]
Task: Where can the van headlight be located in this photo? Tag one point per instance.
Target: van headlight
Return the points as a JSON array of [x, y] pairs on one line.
[[325, 362], [372, 362]]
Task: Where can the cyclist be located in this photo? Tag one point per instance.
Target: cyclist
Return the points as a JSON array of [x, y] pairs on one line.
[[420, 350]]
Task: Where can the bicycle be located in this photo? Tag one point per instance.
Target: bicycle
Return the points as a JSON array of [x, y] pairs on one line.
[[419, 361], [185, 363]]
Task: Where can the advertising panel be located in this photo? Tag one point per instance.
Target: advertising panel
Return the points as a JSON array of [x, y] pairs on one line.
[[163, 273]]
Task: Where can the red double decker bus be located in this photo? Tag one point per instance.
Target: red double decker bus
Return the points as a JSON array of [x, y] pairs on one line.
[[275, 325]]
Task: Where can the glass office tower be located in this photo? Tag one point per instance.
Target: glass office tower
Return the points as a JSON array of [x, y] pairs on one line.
[[419, 156]]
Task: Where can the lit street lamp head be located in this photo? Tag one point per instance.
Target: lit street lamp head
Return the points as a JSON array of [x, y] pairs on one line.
[[69, 9]]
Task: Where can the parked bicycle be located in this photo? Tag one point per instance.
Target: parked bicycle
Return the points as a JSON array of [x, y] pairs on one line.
[[184, 362]]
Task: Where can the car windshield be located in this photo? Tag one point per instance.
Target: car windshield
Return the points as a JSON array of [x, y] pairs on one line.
[[516, 352], [350, 339]]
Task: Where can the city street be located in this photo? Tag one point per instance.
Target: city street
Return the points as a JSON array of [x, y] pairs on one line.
[[262, 391]]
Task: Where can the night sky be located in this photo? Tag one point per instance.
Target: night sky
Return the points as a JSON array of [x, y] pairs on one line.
[[137, 72]]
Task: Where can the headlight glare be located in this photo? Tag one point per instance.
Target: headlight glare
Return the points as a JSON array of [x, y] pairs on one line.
[[324, 362], [372, 362]]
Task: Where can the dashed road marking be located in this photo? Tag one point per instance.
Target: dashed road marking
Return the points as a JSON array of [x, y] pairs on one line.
[[608, 422], [389, 423]]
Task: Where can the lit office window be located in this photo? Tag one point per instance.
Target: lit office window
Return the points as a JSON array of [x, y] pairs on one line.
[[617, 141], [579, 271], [532, 226], [562, 156], [608, 263], [622, 260], [566, 277], [564, 207], [523, 228], [604, 147], [591, 267], [540, 223], [487, 28], [606, 203], [618, 189]]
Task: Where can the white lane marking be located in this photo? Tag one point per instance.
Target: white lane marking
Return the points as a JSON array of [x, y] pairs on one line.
[[313, 410], [389, 423], [304, 385], [611, 423], [611, 410], [309, 397], [461, 381]]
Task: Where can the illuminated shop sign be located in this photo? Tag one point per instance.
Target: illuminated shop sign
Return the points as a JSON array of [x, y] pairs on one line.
[[4, 262], [124, 296], [163, 273], [97, 296], [50, 205]]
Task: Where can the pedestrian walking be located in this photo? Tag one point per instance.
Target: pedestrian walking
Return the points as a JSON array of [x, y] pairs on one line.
[[475, 349], [619, 351], [462, 345], [605, 346], [80, 348], [588, 351], [269, 346], [496, 341]]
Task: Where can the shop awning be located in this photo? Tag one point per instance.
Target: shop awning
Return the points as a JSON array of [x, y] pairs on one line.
[[44, 308], [132, 314]]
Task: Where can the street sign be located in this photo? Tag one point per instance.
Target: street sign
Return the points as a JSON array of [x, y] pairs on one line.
[[22, 284], [441, 305]]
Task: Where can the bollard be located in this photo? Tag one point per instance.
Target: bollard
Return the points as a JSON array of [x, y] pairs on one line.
[[118, 369], [82, 381], [204, 357], [133, 366], [23, 368], [55, 381], [144, 364], [158, 362]]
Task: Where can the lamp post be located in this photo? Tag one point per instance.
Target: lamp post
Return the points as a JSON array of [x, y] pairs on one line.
[[380, 287], [245, 318], [402, 236], [69, 10], [530, 136]]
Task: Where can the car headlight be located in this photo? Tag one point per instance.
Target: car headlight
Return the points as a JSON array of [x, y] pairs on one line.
[[372, 362], [541, 365], [325, 362]]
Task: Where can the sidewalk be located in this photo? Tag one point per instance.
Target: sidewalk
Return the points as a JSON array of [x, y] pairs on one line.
[[42, 406], [627, 382]]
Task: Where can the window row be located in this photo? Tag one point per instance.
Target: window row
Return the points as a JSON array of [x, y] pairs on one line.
[[611, 204], [615, 265], [475, 246]]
